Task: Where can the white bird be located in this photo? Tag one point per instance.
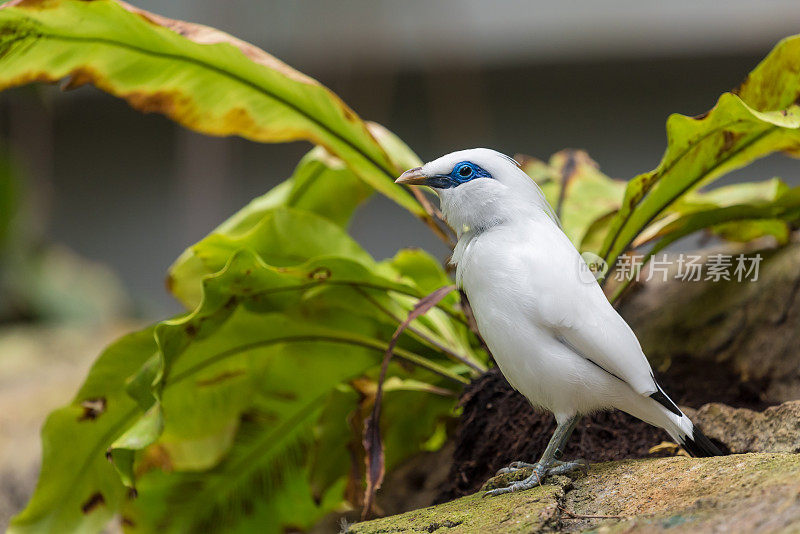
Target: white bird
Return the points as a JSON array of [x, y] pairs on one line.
[[552, 332]]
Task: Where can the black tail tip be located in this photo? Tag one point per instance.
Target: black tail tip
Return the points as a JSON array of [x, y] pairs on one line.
[[699, 446]]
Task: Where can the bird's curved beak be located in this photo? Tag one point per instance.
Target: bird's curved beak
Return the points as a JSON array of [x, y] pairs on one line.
[[413, 176]]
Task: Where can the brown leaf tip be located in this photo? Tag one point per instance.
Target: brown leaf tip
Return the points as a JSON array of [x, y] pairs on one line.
[[79, 77]]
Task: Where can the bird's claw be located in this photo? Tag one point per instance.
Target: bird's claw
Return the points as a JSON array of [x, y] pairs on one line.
[[530, 482], [514, 466], [562, 468], [540, 472]]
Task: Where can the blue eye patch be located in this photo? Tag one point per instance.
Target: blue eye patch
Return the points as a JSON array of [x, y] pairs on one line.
[[462, 173]]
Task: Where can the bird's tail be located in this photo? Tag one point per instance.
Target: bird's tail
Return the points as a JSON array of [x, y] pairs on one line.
[[698, 445], [659, 410]]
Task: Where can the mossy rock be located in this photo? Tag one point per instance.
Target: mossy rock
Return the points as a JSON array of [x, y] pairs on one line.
[[737, 493], [527, 511]]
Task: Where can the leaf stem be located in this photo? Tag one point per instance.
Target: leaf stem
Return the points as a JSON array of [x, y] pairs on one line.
[[419, 335], [356, 285], [368, 343]]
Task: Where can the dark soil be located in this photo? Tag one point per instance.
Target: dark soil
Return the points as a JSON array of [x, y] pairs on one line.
[[498, 425]]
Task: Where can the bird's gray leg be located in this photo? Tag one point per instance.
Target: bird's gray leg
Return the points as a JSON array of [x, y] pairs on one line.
[[554, 450], [548, 464]]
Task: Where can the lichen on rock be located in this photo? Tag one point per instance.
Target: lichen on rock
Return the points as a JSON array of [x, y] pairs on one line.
[[736, 493], [535, 510]]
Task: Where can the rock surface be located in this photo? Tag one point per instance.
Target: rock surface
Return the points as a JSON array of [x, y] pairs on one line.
[[752, 328], [738, 493], [776, 429], [498, 425]]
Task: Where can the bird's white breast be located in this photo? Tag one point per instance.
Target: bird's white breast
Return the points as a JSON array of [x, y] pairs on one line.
[[516, 278]]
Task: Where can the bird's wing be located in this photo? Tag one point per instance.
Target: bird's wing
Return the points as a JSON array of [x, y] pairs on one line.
[[586, 322], [574, 310]]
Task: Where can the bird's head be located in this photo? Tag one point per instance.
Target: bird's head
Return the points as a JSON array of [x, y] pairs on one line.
[[479, 188]]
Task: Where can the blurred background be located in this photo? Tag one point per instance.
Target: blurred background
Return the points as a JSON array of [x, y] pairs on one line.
[[107, 198], [131, 191]]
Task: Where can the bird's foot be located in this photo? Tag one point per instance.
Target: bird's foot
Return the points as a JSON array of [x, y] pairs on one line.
[[540, 472], [513, 467]]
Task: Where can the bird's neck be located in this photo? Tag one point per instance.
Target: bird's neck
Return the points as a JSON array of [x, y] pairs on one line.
[[467, 236], [472, 214]]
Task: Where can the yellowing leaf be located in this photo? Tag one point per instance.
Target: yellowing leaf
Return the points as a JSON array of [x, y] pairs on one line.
[[739, 222], [758, 119], [752, 193], [198, 76]]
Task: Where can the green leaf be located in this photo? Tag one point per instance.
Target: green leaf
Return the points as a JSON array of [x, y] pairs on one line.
[[266, 341], [9, 200], [271, 336], [596, 233], [748, 230], [758, 119], [419, 266], [403, 434], [740, 222], [78, 489], [321, 184], [269, 340], [577, 190], [427, 275], [752, 193], [261, 485], [785, 208], [198, 76], [728, 195], [318, 179]]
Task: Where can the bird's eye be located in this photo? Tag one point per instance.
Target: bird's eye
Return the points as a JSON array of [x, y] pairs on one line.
[[464, 171]]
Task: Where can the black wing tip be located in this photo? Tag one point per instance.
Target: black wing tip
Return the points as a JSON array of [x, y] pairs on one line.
[[661, 398], [699, 446]]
